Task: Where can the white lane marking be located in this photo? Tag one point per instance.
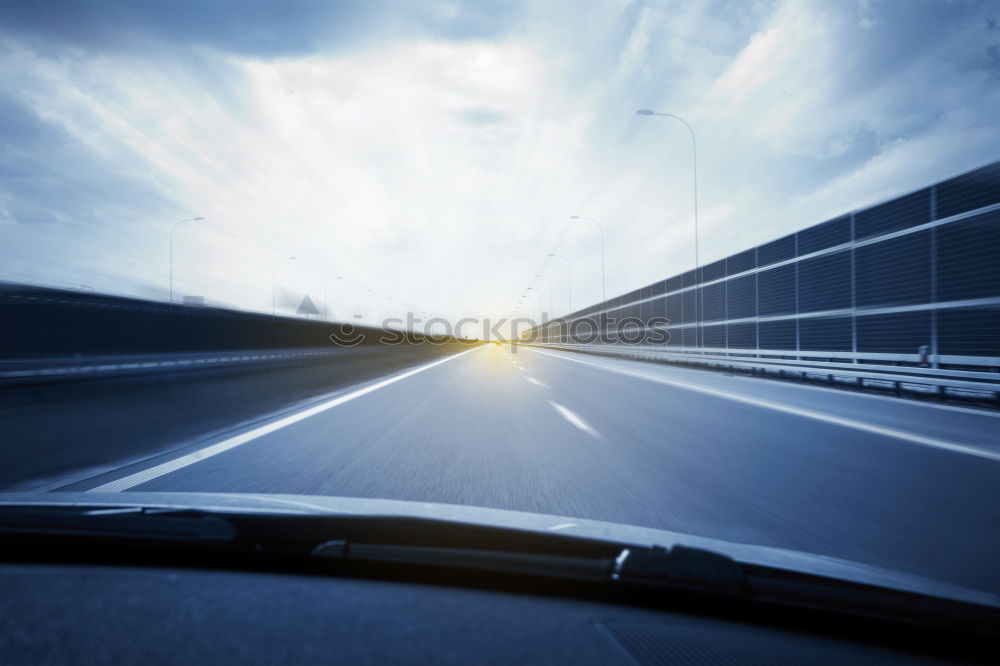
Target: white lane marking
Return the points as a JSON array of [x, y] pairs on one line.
[[562, 526], [575, 420], [797, 411], [135, 479], [536, 382]]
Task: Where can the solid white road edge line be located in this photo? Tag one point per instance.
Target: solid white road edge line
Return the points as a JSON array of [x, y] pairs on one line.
[[575, 420], [135, 479], [788, 409]]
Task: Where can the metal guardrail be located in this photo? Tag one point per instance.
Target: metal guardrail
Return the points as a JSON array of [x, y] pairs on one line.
[[33, 370], [867, 370]]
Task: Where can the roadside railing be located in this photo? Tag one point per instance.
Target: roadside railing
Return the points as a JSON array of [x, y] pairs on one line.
[[30, 371], [978, 378]]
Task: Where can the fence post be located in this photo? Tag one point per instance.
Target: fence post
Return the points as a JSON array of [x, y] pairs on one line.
[[933, 277], [854, 299]]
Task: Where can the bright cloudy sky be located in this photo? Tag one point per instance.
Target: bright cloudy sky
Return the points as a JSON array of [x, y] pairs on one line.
[[431, 152]]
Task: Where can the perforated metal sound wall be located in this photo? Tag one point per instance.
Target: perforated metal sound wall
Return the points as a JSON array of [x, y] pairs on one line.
[[920, 269]]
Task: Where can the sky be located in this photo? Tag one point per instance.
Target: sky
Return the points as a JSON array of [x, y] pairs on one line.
[[427, 156]]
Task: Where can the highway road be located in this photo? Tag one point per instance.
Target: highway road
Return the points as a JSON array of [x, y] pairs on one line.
[[906, 485]]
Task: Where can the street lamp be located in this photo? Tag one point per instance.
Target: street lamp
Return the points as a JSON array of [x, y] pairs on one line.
[[569, 273], [537, 294], [377, 310], [274, 281], [694, 152], [604, 290], [326, 294], [172, 230], [552, 306]]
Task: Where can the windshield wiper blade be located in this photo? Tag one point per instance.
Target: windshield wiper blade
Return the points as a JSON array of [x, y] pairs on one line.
[[497, 561], [131, 523], [680, 567], [389, 541]]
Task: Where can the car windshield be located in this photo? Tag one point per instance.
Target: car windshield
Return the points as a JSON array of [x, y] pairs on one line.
[[719, 268]]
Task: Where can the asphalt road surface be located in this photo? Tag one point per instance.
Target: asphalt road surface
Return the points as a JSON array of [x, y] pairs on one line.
[[905, 485], [52, 431]]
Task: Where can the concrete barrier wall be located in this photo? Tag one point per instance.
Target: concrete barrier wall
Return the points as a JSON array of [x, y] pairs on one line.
[[38, 322]]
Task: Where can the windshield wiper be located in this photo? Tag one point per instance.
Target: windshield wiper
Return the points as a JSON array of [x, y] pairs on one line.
[[680, 567], [386, 541], [677, 568], [450, 552], [131, 523]]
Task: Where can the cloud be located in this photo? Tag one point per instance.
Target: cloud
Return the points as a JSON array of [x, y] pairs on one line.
[[433, 153], [246, 27], [482, 116]]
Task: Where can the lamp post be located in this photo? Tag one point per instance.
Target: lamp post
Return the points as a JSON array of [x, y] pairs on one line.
[[326, 293], [552, 306], [377, 310], [551, 301], [604, 289], [569, 273], [694, 153], [537, 294], [172, 230], [274, 282]]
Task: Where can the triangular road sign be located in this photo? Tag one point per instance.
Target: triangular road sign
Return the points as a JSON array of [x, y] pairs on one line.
[[307, 307]]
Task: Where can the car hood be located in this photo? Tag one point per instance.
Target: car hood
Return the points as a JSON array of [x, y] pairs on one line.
[[304, 505]]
